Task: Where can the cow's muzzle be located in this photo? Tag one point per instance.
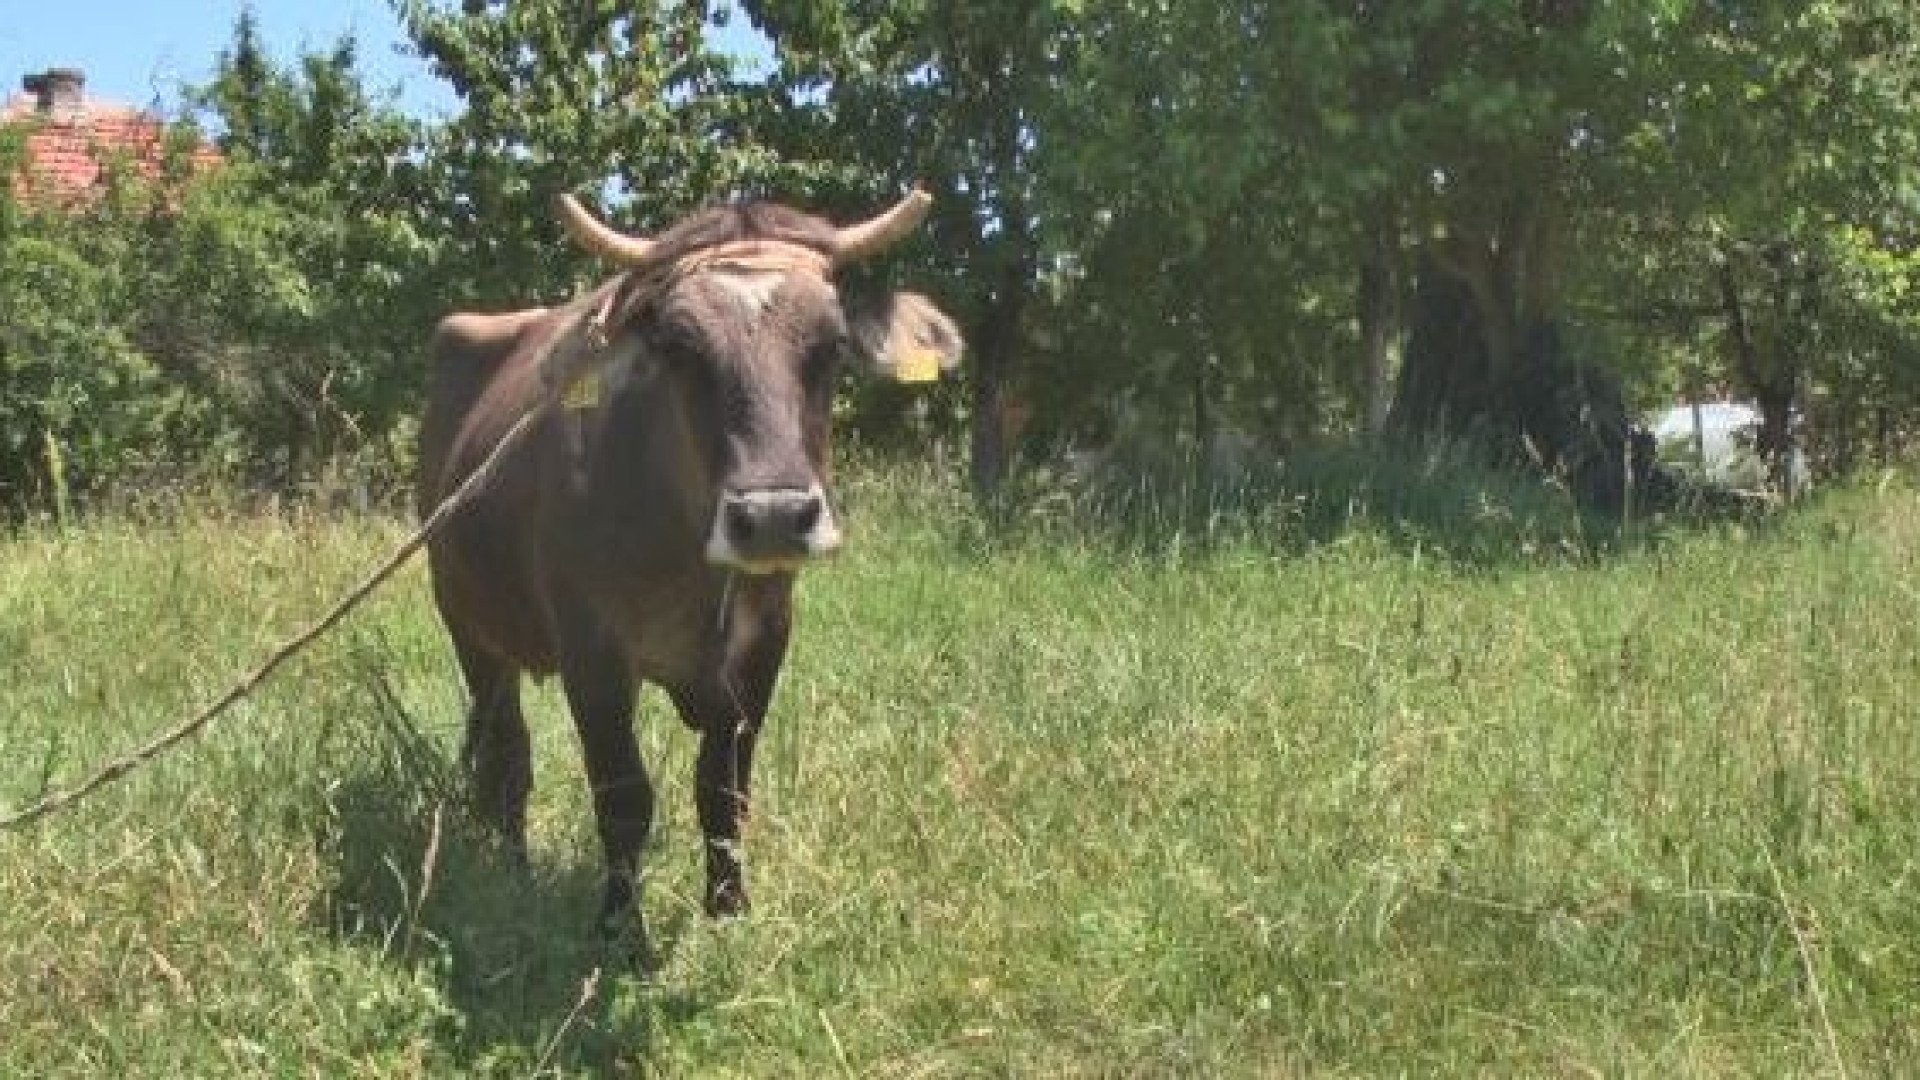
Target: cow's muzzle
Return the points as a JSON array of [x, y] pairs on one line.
[[766, 530]]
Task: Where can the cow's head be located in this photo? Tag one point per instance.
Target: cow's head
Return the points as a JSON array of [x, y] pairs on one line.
[[735, 314]]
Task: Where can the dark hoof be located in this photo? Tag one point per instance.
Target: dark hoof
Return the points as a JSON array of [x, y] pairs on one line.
[[625, 939], [727, 902]]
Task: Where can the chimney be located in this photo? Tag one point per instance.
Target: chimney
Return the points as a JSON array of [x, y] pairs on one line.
[[61, 90]]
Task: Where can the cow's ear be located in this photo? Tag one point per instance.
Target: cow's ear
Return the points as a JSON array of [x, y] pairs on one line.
[[907, 339]]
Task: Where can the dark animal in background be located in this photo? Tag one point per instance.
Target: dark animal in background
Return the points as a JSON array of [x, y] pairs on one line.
[[651, 525]]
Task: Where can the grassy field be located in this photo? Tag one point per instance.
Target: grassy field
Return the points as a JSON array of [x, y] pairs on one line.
[[1291, 799]]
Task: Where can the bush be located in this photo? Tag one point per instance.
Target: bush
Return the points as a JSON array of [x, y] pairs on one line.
[[76, 395], [206, 325]]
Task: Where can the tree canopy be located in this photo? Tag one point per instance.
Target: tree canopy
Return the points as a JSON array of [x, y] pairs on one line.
[[1517, 221]]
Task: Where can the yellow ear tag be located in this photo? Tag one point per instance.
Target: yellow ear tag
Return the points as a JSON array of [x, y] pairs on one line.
[[918, 366], [584, 393]]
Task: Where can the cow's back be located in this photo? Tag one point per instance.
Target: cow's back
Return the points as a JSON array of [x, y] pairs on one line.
[[467, 355]]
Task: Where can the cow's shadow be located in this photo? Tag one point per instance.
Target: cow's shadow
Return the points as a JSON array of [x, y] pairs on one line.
[[512, 945]]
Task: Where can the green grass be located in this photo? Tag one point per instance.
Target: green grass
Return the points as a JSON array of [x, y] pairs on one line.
[[1030, 802]]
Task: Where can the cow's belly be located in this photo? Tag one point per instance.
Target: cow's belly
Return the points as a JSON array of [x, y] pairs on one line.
[[485, 588]]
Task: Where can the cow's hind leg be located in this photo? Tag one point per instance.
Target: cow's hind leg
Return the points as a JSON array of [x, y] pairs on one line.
[[497, 758]]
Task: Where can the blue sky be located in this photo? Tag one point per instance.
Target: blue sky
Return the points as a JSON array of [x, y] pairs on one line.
[[139, 52]]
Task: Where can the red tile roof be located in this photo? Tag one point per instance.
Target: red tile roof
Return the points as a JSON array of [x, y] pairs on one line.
[[68, 150]]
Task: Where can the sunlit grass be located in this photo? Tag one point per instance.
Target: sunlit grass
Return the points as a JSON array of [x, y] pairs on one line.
[[1031, 801]]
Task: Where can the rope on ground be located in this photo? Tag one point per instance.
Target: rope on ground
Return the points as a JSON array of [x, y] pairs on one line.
[[121, 766]]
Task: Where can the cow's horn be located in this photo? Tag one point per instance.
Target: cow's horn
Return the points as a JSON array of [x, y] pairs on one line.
[[602, 241], [869, 238]]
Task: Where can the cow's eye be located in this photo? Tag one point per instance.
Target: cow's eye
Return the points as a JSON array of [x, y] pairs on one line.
[[675, 351], [823, 359]]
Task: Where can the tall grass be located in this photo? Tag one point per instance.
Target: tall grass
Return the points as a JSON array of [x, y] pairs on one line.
[[1276, 795], [1440, 499]]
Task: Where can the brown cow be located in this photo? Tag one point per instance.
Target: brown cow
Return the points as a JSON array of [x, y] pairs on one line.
[[650, 526]]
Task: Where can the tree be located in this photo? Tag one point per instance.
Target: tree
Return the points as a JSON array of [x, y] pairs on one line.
[[1800, 215], [882, 94], [75, 392], [1209, 255], [1727, 138], [308, 258], [1508, 166], [589, 96]]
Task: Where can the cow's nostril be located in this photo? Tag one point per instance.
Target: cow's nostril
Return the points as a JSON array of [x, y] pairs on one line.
[[771, 525], [808, 516], [742, 521]]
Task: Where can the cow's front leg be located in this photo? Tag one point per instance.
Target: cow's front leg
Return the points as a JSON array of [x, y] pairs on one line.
[[600, 693], [725, 777], [727, 710]]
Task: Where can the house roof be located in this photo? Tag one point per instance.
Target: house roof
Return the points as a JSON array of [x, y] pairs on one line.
[[71, 143]]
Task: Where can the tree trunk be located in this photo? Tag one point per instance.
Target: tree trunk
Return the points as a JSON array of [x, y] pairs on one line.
[[996, 343], [1444, 384], [1483, 367], [1774, 441], [1770, 371], [988, 446], [1206, 424], [1378, 304]]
